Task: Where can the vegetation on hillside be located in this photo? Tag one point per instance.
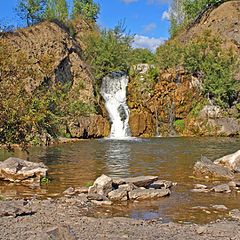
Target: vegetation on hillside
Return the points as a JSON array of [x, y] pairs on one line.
[[205, 58], [108, 51], [34, 11]]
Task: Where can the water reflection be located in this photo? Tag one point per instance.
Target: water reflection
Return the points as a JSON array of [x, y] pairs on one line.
[[118, 156]]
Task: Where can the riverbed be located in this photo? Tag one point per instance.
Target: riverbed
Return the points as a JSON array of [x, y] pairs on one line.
[[80, 163]]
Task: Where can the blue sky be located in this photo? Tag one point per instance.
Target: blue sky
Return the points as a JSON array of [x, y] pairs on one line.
[[147, 19]]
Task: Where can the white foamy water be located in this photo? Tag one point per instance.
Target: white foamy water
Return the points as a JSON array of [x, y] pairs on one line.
[[114, 91]]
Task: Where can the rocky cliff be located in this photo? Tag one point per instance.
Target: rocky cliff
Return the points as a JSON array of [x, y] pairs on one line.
[[172, 103], [54, 57]]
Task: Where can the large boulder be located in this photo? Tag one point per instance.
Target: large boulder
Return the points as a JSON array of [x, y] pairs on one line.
[[142, 181], [207, 169], [144, 194], [231, 161], [18, 170], [101, 186]]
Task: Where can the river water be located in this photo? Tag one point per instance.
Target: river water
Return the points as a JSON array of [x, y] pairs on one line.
[[78, 164]]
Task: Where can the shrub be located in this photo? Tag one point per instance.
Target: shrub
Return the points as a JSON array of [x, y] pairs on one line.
[[108, 51]]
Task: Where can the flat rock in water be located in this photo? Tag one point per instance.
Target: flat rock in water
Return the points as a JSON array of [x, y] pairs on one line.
[[200, 190], [161, 184], [102, 186], [118, 195], [200, 186], [143, 194], [220, 207], [18, 170], [231, 161], [221, 188], [207, 169], [142, 181]]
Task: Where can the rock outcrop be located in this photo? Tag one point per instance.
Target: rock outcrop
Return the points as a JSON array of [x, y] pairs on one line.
[[106, 190], [54, 58], [21, 171], [155, 105]]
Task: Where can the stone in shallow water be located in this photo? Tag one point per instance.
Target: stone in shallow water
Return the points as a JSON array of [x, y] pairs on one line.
[[142, 181], [221, 188], [118, 195], [231, 161], [200, 186], [161, 184], [206, 168], [142, 194], [18, 170], [102, 186], [220, 207], [200, 190]]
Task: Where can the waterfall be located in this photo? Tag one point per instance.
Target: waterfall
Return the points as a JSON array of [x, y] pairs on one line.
[[113, 90]]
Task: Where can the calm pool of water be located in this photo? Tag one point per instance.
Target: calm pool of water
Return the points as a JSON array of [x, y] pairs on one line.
[[77, 164]]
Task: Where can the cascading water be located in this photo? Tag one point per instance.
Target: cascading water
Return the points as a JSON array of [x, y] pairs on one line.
[[113, 90]]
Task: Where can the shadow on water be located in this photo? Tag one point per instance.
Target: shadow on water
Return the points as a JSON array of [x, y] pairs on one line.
[[77, 164]]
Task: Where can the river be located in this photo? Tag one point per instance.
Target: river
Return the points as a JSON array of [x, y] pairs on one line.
[[79, 164]]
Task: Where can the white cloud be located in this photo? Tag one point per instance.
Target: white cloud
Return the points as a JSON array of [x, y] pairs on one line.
[[147, 42], [149, 27], [166, 15]]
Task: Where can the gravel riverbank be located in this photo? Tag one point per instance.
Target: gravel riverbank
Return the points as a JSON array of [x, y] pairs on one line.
[[64, 219]]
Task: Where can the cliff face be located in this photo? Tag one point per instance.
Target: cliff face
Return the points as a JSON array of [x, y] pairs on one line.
[[171, 98], [172, 104], [56, 58]]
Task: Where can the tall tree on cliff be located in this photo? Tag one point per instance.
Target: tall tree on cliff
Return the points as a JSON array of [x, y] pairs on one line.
[[86, 8], [177, 15], [56, 10], [31, 10]]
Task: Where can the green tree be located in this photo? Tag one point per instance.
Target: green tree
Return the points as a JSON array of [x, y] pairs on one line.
[[56, 10], [109, 51], [86, 8], [31, 10], [142, 55], [177, 14]]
